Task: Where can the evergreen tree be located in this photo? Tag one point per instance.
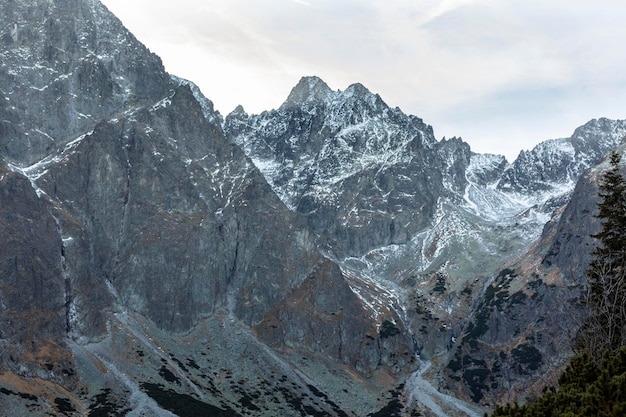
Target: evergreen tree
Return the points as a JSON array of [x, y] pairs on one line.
[[585, 390], [604, 330]]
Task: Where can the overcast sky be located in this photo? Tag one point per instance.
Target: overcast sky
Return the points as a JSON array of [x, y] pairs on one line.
[[501, 74]]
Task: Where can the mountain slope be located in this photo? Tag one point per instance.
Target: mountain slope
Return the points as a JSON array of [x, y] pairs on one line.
[[139, 229], [525, 324]]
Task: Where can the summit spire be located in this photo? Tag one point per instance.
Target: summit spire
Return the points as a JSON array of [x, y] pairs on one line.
[[309, 89]]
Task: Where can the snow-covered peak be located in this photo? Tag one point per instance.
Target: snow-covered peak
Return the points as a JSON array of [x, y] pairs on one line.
[[556, 164], [615, 130], [320, 137], [547, 155], [359, 99], [355, 102]]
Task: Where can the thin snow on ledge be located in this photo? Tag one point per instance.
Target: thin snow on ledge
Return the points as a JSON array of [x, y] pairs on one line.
[[35, 171]]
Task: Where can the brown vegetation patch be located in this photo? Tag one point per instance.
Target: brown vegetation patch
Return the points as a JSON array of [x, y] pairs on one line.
[[38, 387]]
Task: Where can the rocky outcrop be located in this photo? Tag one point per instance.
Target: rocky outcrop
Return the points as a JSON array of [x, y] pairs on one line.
[[324, 316]]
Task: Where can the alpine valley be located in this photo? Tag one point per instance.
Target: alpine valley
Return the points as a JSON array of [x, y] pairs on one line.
[[327, 258]]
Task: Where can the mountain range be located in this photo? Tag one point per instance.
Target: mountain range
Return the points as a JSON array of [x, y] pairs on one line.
[[329, 257]]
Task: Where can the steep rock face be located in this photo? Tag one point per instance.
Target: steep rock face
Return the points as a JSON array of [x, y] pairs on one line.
[[32, 289], [323, 315], [570, 251], [56, 58], [518, 338], [176, 230]]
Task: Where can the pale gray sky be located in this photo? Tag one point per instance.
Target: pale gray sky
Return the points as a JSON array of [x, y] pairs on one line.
[[502, 74]]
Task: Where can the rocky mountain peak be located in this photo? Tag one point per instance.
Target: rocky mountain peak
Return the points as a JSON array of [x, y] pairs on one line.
[[585, 136], [309, 90], [318, 156], [239, 110], [357, 89], [556, 163], [358, 92]]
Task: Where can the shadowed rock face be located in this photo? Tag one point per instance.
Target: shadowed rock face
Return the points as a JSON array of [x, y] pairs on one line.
[[571, 248], [32, 288], [323, 315], [182, 223]]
